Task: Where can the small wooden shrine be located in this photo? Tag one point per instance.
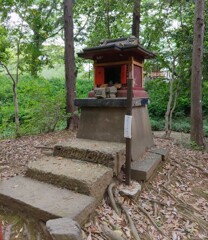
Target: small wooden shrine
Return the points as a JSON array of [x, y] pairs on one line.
[[103, 112], [115, 61]]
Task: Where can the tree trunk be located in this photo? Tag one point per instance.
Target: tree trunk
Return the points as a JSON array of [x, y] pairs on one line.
[[35, 54], [108, 19], [167, 126], [17, 122], [196, 75], [69, 64], [136, 18], [15, 83], [168, 111]]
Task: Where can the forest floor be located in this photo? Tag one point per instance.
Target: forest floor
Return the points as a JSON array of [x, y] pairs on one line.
[[173, 204]]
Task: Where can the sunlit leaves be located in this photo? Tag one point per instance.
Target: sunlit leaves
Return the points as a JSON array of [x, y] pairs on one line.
[[4, 45]]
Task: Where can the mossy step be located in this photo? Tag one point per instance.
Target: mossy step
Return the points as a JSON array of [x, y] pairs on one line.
[[44, 201], [110, 154], [83, 177]]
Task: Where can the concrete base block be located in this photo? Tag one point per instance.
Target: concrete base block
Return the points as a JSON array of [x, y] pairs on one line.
[[164, 152], [64, 229], [142, 170], [106, 123]]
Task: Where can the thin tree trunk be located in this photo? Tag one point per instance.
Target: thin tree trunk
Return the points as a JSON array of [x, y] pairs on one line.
[[15, 83], [69, 64], [168, 109], [34, 65], [16, 105], [136, 18], [171, 112], [167, 114], [108, 19], [196, 75]]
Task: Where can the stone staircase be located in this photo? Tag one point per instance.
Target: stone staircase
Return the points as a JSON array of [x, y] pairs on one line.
[[69, 184], [72, 182], [44, 201]]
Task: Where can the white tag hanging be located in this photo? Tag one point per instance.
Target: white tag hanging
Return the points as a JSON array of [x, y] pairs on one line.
[[127, 126]]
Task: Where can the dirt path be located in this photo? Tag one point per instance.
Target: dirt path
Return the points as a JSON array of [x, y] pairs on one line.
[[176, 198]]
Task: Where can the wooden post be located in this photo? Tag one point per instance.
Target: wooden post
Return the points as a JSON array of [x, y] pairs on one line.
[[128, 140]]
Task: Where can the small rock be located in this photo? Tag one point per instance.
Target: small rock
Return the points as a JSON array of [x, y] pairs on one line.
[[132, 190], [64, 229]]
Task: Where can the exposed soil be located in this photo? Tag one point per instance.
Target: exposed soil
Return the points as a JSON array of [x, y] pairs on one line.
[[175, 198]]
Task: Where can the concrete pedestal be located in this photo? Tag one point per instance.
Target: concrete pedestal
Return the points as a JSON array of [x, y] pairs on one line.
[[103, 120]]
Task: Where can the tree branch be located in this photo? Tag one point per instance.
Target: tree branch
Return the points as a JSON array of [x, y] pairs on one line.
[[81, 28], [8, 72]]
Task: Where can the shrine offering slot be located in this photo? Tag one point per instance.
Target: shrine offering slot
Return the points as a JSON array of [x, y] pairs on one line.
[[112, 75]]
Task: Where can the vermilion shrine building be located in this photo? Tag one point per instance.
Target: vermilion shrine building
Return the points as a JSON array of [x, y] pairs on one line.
[[103, 112], [117, 60]]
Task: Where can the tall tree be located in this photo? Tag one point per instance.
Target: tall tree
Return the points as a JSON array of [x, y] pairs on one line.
[[41, 20], [69, 64], [14, 76], [136, 18], [196, 75], [105, 19]]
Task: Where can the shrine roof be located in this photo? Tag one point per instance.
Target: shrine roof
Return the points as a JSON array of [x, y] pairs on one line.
[[127, 46]]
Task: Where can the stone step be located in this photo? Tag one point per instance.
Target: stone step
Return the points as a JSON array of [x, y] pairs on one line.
[[143, 169], [110, 154], [83, 177], [164, 152], [44, 201]]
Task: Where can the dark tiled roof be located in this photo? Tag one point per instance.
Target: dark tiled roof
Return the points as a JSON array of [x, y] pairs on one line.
[[119, 44]]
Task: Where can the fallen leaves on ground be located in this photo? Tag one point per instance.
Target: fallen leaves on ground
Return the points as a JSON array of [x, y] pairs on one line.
[[16, 153], [176, 198]]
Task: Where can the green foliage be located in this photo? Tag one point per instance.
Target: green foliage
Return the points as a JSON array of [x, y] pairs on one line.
[[38, 21], [157, 124], [102, 20], [158, 90], [57, 71], [196, 147], [158, 93], [41, 104], [181, 125], [4, 45], [178, 125], [83, 87]]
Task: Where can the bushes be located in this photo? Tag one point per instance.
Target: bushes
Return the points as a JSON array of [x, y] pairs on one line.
[[158, 91], [178, 125], [41, 104], [157, 124], [83, 87]]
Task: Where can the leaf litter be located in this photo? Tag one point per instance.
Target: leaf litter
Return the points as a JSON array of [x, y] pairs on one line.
[[175, 198]]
